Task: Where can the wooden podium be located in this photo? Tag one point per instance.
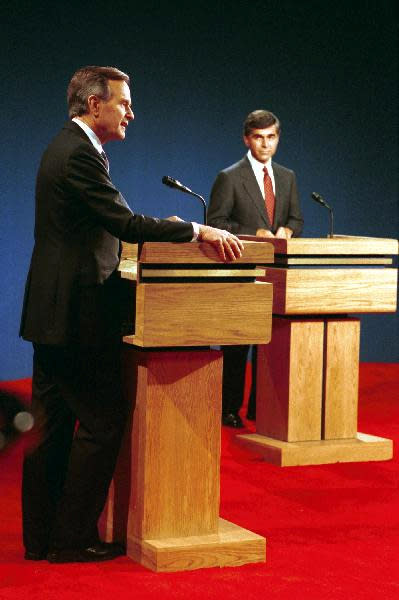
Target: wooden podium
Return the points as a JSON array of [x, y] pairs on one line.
[[307, 377], [164, 500]]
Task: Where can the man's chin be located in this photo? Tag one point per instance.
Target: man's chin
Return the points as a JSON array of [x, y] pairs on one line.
[[263, 158], [120, 134]]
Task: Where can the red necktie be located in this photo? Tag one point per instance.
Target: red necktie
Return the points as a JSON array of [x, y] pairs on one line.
[[269, 195]]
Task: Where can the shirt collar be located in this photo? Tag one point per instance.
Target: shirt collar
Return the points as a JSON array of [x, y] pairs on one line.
[[258, 166], [90, 133]]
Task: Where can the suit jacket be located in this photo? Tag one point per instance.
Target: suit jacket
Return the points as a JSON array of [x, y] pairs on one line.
[[80, 218], [237, 204]]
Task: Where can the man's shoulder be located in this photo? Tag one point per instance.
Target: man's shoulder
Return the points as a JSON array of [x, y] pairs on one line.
[[69, 139], [73, 134], [237, 167], [70, 142], [277, 168]]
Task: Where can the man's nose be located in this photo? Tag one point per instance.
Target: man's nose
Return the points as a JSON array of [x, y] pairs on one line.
[[130, 114]]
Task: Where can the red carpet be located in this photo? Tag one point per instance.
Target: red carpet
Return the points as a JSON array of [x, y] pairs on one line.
[[332, 531]]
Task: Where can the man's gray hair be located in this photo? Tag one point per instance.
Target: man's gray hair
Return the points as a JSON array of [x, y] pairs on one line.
[[89, 81]]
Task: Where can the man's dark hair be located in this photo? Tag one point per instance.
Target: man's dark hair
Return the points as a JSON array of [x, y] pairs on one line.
[[260, 119], [91, 80]]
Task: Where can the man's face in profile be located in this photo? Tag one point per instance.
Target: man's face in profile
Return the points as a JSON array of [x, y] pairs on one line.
[[262, 143], [114, 114]]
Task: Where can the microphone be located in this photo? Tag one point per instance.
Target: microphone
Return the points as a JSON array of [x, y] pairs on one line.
[[317, 198], [173, 183], [320, 200]]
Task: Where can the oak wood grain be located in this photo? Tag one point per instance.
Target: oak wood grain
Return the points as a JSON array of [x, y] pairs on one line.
[[289, 381], [322, 291], [201, 314], [341, 378]]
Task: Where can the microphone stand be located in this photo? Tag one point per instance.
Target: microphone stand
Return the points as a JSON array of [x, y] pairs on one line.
[[203, 202], [331, 234], [169, 181], [317, 198]]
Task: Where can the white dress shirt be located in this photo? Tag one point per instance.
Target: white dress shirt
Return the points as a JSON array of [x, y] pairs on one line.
[[257, 168], [90, 133]]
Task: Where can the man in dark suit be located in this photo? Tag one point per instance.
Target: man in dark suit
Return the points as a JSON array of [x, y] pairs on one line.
[[255, 196], [72, 315]]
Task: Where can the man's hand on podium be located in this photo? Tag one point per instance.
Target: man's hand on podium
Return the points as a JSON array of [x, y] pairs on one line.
[[228, 246], [284, 233], [264, 233]]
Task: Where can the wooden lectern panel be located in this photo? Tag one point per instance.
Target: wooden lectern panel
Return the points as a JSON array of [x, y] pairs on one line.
[[341, 378], [184, 295], [339, 245], [201, 314], [289, 375], [164, 500], [202, 253], [319, 291], [176, 444]]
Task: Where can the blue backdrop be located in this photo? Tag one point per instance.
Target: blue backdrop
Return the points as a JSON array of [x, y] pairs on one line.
[[329, 71]]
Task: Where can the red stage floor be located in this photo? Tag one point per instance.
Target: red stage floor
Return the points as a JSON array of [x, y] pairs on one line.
[[332, 531]]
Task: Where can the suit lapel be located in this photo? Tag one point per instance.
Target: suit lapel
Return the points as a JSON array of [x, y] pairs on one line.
[[252, 188]]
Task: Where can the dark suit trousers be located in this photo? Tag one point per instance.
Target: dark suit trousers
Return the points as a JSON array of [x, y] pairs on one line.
[[234, 367], [80, 415]]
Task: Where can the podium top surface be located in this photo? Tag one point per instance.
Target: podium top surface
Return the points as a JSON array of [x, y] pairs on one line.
[[195, 253], [337, 245]]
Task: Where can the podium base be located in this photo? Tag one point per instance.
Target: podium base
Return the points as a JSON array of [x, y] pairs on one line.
[[231, 546], [362, 448]]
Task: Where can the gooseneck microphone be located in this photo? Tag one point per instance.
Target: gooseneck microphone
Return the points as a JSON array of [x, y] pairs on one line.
[[317, 198], [173, 183], [320, 200]]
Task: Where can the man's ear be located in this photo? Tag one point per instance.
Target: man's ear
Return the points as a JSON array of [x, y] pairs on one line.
[[244, 137], [93, 104]]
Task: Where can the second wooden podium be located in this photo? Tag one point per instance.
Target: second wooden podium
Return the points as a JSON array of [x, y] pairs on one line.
[[164, 500], [307, 377]]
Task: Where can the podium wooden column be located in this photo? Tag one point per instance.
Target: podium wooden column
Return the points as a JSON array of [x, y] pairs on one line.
[[307, 377], [164, 500]]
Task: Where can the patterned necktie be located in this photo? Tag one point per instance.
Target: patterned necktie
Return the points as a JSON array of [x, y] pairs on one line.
[[269, 196], [105, 159]]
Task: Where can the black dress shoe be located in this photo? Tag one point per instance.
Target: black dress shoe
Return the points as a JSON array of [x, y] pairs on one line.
[[232, 420], [96, 552], [34, 555]]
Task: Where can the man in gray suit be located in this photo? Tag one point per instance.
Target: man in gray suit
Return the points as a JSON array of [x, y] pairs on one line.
[[259, 197]]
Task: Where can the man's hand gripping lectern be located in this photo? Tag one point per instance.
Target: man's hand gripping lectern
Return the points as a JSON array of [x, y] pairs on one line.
[[164, 501]]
